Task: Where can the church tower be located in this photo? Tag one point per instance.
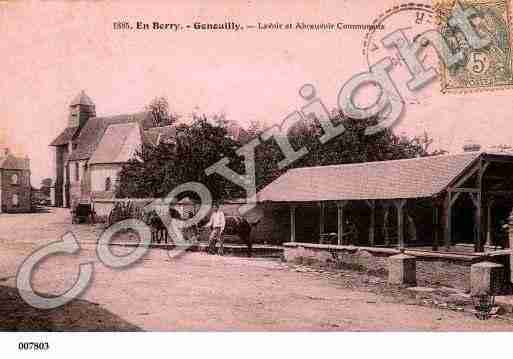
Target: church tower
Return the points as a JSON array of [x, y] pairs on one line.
[[81, 109]]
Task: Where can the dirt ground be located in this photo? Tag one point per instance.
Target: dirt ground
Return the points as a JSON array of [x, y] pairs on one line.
[[201, 292]]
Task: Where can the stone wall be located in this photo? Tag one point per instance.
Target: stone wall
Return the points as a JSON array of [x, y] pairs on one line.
[[61, 156], [432, 268], [446, 272], [341, 257]]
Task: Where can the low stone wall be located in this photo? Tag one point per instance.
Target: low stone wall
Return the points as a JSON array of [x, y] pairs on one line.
[[349, 257], [451, 270], [444, 272]]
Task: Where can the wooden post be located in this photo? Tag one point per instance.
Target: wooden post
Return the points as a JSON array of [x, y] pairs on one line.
[[292, 223], [478, 224], [385, 224], [448, 221], [510, 241], [436, 226], [321, 221], [480, 214], [340, 221], [399, 205], [476, 199], [489, 232], [372, 225]]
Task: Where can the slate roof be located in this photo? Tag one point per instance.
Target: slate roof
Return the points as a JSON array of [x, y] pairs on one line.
[[408, 178], [11, 162], [65, 136], [118, 144], [92, 132]]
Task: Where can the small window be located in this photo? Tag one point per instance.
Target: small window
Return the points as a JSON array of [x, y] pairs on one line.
[[15, 179], [77, 172], [15, 200], [108, 184]]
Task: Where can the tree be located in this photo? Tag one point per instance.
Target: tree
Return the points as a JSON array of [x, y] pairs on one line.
[[157, 170], [425, 142], [159, 109]]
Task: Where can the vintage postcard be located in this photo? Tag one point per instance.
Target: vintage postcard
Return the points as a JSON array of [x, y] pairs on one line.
[[255, 166]]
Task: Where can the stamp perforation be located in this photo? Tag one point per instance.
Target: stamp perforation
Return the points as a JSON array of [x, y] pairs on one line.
[[444, 88]]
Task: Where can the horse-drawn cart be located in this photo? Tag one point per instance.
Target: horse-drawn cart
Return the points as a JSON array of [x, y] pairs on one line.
[[83, 212]]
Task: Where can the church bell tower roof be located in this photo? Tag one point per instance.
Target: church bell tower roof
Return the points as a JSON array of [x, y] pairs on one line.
[[82, 99]]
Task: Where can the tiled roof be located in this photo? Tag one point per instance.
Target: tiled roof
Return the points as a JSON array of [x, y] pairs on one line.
[[65, 136], [409, 178], [95, 127], [118, 144], [11, 162]]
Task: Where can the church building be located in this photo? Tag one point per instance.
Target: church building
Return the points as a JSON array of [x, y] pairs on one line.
[[91, 151]]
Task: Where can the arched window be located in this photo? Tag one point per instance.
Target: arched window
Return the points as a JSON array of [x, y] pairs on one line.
[[15, 179], [108, 184], [15, 200]]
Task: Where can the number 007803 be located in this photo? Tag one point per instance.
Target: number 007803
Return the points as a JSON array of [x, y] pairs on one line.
[[33, 346]]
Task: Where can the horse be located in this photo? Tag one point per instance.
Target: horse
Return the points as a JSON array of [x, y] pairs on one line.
[[158, 228], [240, 226], [235, 225]]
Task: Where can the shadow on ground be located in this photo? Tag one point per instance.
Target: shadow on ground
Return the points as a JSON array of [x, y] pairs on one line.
[[40, 209], [77, 315]]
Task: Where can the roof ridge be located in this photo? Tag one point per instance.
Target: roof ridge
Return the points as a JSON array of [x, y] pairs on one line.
[[160, 127], [122, 124], [120, 115], [94, 129], [406, 178], [355, 164]]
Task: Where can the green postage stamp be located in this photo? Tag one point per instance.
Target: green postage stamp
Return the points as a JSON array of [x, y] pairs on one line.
[[486, 68]]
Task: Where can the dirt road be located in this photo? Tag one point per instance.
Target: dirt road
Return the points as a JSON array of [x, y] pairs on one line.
[[196, 292]]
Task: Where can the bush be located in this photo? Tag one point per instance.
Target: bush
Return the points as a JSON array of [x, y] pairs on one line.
[[125, 210]]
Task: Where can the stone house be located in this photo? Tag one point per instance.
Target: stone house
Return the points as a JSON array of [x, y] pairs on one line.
[[91, 151], [15, 185]]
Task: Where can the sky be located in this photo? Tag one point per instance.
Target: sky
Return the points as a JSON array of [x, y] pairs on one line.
[[51, 50]]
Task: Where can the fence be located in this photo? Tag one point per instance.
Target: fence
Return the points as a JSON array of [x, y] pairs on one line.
[[103, 207], [261, 233]]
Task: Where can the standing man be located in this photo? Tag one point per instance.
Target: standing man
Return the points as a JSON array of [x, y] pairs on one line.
[[217, 223]]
